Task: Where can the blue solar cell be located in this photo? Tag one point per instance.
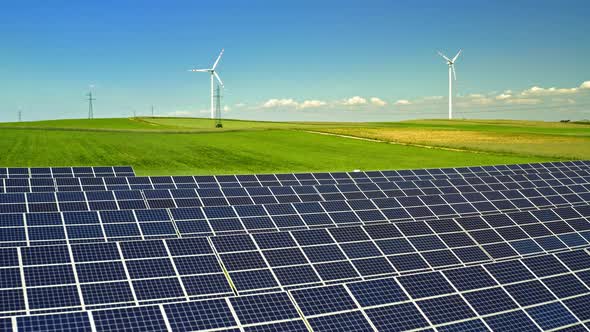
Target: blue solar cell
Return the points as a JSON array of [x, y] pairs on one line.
[[545, 265], [550, 243], [219, 212], [53, 297], [199, 315], [349, 321], [13, 234], [336, 271], [189, 246], [529, 293], [565, 285], [373, 266], [45, 255], [285, 257], [490, 301], [74, 321], [321, 300], [135, 319], [233, 243], [157, 289], [102, 271], [377, 292], [197, 264], [10, 278], [243, 261], [575, 260], [49, 275], [152, 215], [579, 306], [274, 240], [208, 284], [551, 316], [446, 309], [398, 317], [46, 233], [324, 253], [509, 271], [250, 210], [288, 326], [122, 230], [296, 275], [143, 249], [361, 249], [150, 268], [515, 321], [117, 216], [187, 213], [107, 293], [43, 219], [475, 325], [264, 308], [408, 262], [425, 284]]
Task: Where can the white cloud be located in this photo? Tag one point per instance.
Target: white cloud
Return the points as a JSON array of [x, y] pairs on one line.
[[402, 102], [585, 85], [378, 101], [226, 108], [238, 105], [312, 104], [539, 91], [433, 98], [356, 100], [524, 101], [274, 103], [503, 96]]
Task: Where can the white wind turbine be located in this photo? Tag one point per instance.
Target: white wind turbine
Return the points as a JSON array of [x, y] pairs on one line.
[[213, 73], [451, 64]]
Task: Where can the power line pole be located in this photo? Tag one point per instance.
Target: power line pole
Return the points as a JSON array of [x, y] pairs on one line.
[[90, 106]]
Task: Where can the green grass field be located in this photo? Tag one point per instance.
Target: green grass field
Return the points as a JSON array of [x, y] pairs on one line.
[[192, 146]]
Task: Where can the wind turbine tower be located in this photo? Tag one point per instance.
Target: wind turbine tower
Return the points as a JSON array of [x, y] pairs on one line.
[[20, 115], [451, 64], [213, 73]]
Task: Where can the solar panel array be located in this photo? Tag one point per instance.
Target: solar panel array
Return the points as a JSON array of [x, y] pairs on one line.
[[65, 172], [478, 248]]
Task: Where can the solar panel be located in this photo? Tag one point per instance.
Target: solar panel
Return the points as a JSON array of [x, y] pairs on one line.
[[328, 251]]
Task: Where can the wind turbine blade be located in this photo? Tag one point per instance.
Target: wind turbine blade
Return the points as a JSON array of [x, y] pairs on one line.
[[200, 70], [218, 79], [218, 58], [444, 56], [456, 56], [454, 75]]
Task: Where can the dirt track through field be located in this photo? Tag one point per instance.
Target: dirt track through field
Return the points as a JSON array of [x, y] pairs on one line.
[[398, 143]]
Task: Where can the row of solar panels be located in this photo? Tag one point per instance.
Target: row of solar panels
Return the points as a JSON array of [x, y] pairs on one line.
[[59, 172], [242, 264], [171, 198], [84, 226], [183, 182], [544, 292]]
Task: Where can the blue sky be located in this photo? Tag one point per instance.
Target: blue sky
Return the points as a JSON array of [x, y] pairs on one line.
[[296, 60]]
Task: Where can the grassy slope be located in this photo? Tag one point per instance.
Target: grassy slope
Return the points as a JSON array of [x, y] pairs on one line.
[[153, 146]]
